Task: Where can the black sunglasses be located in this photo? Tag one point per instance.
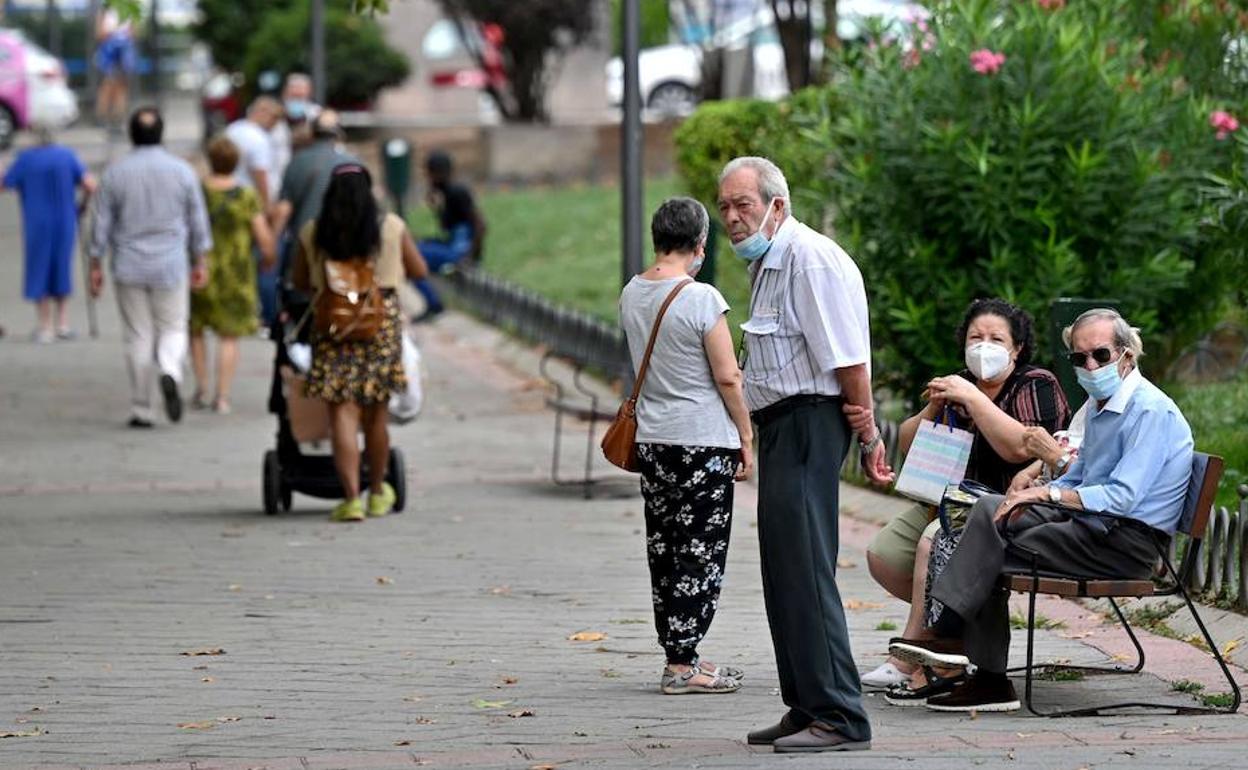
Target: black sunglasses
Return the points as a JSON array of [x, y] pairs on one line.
[[1100, 355]]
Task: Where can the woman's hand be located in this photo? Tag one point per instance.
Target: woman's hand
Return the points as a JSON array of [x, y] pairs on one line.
[[953, 389], [1025, 478], [1038, 443], [746, 466]]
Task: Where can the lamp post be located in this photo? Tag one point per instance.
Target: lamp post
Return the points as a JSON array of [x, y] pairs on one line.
[[631, 144]]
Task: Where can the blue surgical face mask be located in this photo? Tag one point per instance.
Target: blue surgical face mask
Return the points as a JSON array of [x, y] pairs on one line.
[[752, 248], [696, 265], [1102, 383]]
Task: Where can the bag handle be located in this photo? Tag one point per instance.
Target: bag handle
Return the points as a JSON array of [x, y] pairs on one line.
[[654, 335]]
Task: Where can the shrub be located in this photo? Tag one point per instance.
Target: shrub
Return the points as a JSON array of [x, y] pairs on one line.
[[358, 60], [1022, 150]]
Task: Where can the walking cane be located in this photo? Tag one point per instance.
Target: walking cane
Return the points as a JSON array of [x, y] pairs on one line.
[[93, 324]]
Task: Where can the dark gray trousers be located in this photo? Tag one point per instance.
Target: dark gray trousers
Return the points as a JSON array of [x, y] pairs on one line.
[[800, 457], [1079, 546]]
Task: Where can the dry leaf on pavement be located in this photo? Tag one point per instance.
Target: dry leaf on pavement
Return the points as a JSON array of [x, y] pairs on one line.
[[543, 767], [207, 680], [481, 703], [587, 636], [1230, 647], [24, 733], [522, 713], [855, 604], [402, 743], [424, 721], [500, 590], [508, 680], [197, 725], [203, 651], [385, 581]]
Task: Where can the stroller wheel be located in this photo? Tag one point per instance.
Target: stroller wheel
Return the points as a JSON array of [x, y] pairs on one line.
[[272, 480], [396, 474]]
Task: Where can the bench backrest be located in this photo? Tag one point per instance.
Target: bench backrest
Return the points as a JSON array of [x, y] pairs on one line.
[[1202, 488]]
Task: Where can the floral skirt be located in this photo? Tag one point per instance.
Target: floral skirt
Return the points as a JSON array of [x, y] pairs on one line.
[[364, 372]]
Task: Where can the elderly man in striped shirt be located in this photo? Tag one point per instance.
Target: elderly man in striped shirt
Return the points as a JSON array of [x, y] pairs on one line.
[[807, 365], [150, 215]]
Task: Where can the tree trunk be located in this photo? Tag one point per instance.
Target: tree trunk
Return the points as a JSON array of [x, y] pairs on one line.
[[831, 43], [529, 84], [796, 31]]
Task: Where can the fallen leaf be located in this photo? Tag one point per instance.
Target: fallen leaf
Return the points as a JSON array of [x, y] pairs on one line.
[[203, 651], [1230, 647], [608, 673], [854, 604], [580, 734], [1024, 735], [587, 636], [385, 581], [481, 703], [197, 725], [200, 668], [543, 767], [424, 721], [1080, 635], [509, 680], [414, 698], [234, 587], [500, 590], [521, 713], [33, 709], [207, 680], [24, 733]]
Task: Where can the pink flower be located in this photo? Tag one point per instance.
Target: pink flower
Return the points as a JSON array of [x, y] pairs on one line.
[[1224, 122], [986, 62]]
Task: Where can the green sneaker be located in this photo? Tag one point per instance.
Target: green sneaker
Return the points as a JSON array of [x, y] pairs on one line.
[[379, 504], [348, 510]]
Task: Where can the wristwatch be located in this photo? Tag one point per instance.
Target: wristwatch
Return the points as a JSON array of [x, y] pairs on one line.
[[867, 447], [1055, 494], [1062, 463]]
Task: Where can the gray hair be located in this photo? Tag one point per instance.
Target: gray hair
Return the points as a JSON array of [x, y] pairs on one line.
[[1126, 336], [771, 181], [679, 225]]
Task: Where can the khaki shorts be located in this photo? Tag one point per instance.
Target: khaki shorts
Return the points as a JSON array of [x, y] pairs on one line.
[[896, 543]]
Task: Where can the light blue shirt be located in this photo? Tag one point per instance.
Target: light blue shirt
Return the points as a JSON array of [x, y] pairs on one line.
[[1136, 457]]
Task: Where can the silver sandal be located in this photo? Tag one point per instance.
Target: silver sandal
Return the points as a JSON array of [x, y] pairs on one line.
[[729, 671], [681, 683]]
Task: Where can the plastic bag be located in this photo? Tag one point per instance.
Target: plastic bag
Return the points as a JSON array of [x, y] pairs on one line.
[[405, 405]]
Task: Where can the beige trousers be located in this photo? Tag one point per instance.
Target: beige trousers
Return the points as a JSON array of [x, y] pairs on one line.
[[154, 330]]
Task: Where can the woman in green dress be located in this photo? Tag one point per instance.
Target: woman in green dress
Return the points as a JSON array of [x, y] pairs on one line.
[[228, 304]]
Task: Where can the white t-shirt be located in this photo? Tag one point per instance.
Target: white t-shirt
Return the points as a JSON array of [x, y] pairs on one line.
[[255, 153], [680, 403]]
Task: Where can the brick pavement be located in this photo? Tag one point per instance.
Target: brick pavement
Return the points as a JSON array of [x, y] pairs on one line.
[[120, 551]]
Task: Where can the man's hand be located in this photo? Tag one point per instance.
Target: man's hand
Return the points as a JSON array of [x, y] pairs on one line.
[[746, 466], [1025, 496], [877, 468], [1038, 443], [199, 275], [1025, 478], [861, 420], [96, 278]]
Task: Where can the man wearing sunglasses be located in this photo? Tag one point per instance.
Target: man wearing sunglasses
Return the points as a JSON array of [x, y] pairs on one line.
[[1134, 463]]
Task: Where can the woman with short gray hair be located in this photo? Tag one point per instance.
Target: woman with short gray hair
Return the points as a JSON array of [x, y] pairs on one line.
[[694, 439]]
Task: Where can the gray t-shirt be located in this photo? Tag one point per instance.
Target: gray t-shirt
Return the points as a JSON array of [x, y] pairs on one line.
[[679, 402]]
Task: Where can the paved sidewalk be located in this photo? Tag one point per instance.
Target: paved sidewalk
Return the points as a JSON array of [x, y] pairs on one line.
[[438, 637]]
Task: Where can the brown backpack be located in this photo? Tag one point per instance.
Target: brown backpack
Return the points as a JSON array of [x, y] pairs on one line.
[[349, 308]]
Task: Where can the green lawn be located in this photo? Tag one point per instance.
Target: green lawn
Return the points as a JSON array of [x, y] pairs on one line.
[[565, 243], [1218, 414]]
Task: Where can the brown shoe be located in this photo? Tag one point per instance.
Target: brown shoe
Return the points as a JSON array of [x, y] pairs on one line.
[[817, 737], [768, 735], [940, 653]]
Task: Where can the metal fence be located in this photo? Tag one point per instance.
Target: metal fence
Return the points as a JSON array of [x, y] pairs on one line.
[[1221, 574]]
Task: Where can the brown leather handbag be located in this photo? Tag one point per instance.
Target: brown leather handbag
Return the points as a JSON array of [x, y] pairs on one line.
[[619, 445]]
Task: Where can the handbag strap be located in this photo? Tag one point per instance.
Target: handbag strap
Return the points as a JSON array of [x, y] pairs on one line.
[[654, 335]]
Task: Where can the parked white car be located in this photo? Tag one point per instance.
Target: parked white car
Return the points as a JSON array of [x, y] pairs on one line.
[[671, 75]]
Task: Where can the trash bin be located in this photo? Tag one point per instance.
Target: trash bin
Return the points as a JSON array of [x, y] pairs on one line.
[[1062, 313], [396, 157]]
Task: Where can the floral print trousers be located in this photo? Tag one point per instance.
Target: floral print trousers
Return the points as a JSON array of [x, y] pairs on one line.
[[688, 497]]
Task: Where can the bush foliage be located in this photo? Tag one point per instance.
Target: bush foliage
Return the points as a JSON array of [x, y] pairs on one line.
[[1024, 149]]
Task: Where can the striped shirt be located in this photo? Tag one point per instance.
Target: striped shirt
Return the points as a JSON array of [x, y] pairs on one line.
[[808, 317], [149, 214]]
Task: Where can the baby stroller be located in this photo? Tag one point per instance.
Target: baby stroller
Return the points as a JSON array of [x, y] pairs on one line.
[[303, 422]]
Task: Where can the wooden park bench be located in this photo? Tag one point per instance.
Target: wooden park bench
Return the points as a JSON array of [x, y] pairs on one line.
[[1201, 490]]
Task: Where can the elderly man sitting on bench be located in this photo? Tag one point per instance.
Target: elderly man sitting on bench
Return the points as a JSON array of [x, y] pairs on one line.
[[1134, 464]]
